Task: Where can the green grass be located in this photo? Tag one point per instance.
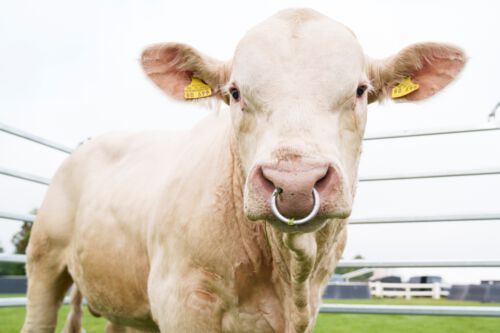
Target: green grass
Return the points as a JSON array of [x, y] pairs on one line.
[[11, 320], [352, 323]]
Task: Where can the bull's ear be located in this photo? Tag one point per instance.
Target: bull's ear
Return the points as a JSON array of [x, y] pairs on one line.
[[416, 72], [172, 66]]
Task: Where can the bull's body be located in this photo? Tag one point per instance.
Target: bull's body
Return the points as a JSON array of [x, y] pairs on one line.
[[152, 227], [175, 233]]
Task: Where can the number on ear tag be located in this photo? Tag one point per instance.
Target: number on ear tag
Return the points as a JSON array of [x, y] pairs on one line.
[[404, 88], [197, 89]]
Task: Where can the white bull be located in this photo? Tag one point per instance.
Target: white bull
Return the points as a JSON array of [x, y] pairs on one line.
[[175, 233]]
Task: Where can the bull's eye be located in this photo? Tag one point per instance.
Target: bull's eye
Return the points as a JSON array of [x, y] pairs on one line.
[[235, 94], [361, 90]]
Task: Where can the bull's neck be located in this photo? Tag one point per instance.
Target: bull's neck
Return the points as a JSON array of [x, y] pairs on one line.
[[301, 263]]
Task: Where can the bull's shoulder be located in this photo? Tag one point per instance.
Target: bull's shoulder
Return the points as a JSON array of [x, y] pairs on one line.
[[116, 146], [118, 150]]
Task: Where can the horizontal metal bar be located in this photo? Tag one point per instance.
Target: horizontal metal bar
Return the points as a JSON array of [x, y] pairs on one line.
[[12, 302], [34, 138], [408, 134], [373, 220], [477, 172], [435, 218], [418, 263], [441, 174], [20, 301], [25, 176], [474, 311], [395, 135], [13, 258], [17, 217], [356, 273], [20, 258]]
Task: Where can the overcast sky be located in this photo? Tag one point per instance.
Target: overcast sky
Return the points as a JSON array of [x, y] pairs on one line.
[[69, 70]]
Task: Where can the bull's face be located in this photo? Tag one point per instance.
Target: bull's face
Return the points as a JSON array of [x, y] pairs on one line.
[[298, 97], [298, 88]]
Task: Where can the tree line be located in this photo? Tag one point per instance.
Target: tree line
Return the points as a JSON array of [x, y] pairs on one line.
[[20, 241]]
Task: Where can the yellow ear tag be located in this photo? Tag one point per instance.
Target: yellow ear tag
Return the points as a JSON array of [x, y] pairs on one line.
[[197, 89], [404, 88]]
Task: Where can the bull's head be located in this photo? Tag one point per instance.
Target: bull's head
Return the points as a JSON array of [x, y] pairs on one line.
[[298, 88]]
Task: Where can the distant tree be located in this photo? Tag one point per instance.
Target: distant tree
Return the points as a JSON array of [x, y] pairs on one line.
[[20, 241], [22, 237], [2, 268], [5, 268]]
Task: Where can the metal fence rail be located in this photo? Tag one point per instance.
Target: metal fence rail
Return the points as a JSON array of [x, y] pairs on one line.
[[423, 219], [492, 126], [403, 176], [20, 301], [13, 258], [417, 263], [474, 311], [21, 258], [424, 175], [17, 217], [34, 138], [354, 221], [24, 176]]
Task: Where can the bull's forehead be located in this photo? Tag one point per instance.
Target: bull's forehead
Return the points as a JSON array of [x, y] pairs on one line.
[[299, 51]]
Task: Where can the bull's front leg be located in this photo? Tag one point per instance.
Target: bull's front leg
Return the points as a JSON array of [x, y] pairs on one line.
[[48, 279]]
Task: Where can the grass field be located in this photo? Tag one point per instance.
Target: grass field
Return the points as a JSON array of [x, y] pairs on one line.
[[11, 320]]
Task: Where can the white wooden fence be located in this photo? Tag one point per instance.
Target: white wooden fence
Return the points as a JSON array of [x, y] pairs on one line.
[[409, 290]]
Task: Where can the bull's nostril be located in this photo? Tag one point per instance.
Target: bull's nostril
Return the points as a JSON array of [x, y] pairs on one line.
[[324, 181], [267, 184]]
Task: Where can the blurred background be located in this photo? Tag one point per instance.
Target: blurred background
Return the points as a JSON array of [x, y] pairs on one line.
[[70, 70]]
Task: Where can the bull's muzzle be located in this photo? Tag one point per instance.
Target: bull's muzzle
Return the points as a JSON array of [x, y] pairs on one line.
[[292, 221]]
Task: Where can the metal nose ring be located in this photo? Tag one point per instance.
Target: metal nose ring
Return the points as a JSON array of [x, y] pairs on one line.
[[292, 221]]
